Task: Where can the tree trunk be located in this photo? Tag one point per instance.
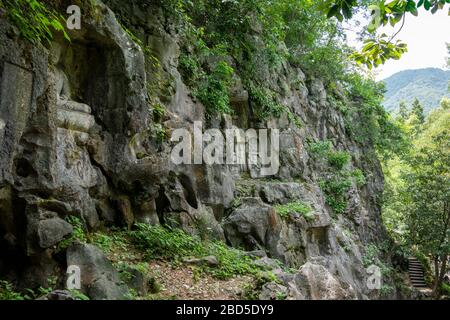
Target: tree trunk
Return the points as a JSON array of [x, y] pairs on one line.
[[440, 277], [436, 275]]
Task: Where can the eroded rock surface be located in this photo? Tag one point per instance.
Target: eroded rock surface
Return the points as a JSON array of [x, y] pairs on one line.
[[75, 140]]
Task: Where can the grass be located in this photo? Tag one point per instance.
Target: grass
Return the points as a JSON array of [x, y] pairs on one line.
[[295, 207]]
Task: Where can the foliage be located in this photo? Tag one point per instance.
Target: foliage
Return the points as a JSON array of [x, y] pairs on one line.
[[335, 189], [7, 292], [417, 110], [253, 290], [417, 210], [174, 244], [323, 149], [36, 21], [403, 110], [338, 159], [78, 233], [427, 194], [367, 121], [295, 207], [379, 49], [320, 149], [214, 88]]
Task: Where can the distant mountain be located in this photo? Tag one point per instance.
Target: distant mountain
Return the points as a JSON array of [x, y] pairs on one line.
[[428, 85]]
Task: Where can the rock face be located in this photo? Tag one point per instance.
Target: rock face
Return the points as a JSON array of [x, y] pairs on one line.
[[99, 279], [76, 139]]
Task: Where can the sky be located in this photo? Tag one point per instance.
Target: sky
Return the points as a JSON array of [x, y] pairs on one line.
[[425, 36]]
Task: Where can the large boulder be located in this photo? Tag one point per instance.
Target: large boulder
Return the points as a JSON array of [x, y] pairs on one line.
[[99, 279], [253, 225], [315, 282], [51, 231]]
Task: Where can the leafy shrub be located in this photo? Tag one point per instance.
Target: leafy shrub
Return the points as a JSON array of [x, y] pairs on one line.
[[159, 112], [213, 91], [359, 176], [295, 207], [321, 148], [7, 292], [264, 100], [35, 20], [78, 233], [174, 244], [338, 159], [446, 289], [335, 190]]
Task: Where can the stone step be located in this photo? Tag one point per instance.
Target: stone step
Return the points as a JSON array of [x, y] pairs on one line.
[[416, 283], [415, 264], [416, 271]]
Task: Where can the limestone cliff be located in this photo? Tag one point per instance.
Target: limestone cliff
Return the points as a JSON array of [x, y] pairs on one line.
[[79, 138]]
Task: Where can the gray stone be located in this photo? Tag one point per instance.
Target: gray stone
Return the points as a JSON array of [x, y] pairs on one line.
[[137, 280], [210, 261], [99, 279], [253, 225], [75, 120], [51, 231], [316, 283], [267, 263], [58, 295], [281, 193]]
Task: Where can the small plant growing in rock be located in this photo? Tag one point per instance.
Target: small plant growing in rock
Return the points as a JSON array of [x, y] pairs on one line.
[[295, 207], [338, 159], [78, 233], [174, 244], [321, 148], [335, 190]]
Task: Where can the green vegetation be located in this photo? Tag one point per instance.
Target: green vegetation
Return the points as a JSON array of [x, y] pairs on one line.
[[295, 207], [335, 190], [36, 21], [379, 49], [320, 149], [337, 180], [372, 256], [174, 244], [416, 206], [78, 234], [7, 292], [338, 159]]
